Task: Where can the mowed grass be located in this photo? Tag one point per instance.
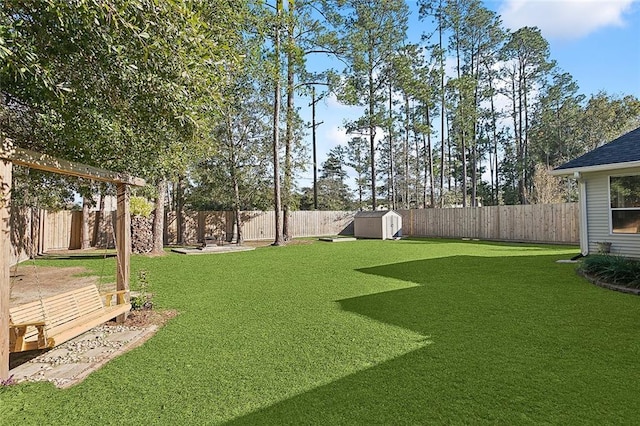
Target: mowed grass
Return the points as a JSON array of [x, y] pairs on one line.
[[365, 332]]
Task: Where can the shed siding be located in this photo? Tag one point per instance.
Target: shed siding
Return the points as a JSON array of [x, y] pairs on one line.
[[368, 227], [377, 224], [598, 222]]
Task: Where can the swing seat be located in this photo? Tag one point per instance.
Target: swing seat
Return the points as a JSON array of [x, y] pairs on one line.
[[48, 322]]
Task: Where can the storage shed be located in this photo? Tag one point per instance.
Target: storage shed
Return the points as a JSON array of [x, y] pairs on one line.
[[384, 224]]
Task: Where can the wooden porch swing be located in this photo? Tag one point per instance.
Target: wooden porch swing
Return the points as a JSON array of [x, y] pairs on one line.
[[81, 308]]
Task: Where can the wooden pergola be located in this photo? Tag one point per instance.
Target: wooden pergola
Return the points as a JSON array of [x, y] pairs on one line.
[[10, 155]]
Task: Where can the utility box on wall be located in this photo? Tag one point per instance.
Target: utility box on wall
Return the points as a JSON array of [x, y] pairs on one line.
[[384, 225]]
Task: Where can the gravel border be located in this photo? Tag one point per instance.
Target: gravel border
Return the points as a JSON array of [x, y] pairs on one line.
[[71, 362]]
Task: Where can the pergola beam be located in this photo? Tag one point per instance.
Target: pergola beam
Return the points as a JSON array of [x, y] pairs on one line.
[[47, 163], [10, 155]]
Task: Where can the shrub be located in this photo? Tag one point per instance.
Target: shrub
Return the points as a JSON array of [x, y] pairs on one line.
[[612, 269], [143, 299], [139, 206]]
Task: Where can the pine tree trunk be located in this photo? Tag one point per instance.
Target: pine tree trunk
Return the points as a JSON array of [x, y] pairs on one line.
[[442, 110], [180, 212], [392, 178], [238, 222], [406, 152], [288, 172], [158, 218], [98, 223], [494, 162], [429, 169], [86, 235], [372, 136], [279, 240]]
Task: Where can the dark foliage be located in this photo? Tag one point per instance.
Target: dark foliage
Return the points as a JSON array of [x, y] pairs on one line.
[[612, 269]]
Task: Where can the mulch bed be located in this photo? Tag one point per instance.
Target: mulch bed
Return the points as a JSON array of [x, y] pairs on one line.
[[609, 286]]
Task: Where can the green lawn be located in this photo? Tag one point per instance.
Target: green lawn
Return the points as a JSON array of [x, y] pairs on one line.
[[365, 332]]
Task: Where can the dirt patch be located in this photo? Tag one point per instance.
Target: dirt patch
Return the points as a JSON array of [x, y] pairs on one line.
[[30, 282], [266, 243], [144, 318]]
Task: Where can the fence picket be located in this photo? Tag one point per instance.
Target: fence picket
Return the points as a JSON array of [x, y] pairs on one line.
[[552, 223]]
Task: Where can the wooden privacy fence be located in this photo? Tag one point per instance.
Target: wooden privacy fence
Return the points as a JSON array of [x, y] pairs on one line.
[[38, 231], [257, 225], [544, 223], [549, 223], [62, 230]]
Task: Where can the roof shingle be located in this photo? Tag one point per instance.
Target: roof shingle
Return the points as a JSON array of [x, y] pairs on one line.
[[624, 149]]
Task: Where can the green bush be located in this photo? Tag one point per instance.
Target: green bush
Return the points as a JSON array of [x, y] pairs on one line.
[[139, 206], [612, 269], [143, 299]]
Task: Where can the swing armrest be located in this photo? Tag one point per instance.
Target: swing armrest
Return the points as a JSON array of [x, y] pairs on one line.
[[17, 334], [119, 297]]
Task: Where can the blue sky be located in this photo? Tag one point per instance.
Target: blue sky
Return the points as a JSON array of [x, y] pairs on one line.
[[596, 41]]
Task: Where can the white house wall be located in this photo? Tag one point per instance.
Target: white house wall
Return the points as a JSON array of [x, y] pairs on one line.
[[598, 216]]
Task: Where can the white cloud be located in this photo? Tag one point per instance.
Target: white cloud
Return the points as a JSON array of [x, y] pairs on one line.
[[331, 101], [565, 19], [335, 135]]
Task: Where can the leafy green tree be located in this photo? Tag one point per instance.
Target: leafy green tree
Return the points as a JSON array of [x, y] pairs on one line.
[[474, 36], [607, 117], [276, 74], [306, 34], [370, 31], [125, 85], [527, 64], [236, 176], [357, 158], [333, 190], [293, 54], [428, 8], [404, 73], [482, 37], [556, 123]]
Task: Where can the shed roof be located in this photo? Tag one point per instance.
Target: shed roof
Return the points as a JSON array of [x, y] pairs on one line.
[[376, 213], [620, 153]]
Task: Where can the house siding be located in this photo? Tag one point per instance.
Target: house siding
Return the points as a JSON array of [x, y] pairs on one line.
[[598, 220]]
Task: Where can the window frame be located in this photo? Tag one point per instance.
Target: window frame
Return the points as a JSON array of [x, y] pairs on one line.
[[612, 209]]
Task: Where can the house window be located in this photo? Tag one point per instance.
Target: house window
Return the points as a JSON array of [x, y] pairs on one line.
[[625, 204]]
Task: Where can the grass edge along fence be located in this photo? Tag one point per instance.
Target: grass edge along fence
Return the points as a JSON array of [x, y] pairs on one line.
[[541, 223]]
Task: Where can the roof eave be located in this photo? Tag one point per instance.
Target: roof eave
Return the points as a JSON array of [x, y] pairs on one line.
[[597, 168]]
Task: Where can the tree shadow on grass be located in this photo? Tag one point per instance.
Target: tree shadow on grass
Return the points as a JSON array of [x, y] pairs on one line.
[[509, 344]]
